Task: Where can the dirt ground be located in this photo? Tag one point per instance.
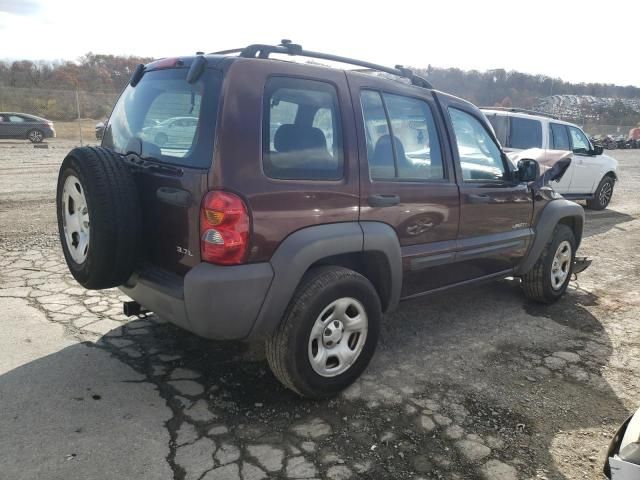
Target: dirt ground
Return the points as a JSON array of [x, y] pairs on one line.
[[476, 383]]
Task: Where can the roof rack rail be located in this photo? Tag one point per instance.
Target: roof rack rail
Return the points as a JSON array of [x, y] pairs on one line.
[[259, 50], [521, 110]]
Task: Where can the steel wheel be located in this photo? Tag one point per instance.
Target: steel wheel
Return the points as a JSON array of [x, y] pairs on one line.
[[561, 265], [75, 217], [35, 136], [337, 337]]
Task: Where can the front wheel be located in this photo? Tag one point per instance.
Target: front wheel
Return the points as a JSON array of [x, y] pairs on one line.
[[603, 194], [328, 334], [549, 278]]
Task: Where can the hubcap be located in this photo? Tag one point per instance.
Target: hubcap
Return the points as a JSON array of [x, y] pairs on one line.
[[338, 337], [605, 193], [561, 265], [75, 217]]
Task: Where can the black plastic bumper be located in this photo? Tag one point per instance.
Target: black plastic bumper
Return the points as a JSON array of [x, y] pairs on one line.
[[211, 301]]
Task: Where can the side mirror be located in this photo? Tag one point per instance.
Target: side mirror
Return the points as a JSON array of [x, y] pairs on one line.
[[598, 150], [528, 170]]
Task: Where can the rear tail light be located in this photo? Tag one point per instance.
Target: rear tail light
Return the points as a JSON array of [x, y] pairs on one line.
[[224, 229]]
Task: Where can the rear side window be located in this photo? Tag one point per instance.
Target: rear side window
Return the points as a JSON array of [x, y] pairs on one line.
[[525, 133], [302, 137], [402, 141], [559, 137], [172, 120]]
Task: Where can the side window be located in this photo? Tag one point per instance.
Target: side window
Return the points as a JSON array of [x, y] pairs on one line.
[[525, 133], [559, 137], [16, 119], [402, 140], [500, 124], [480, 157], [302, 137], [579, 141]]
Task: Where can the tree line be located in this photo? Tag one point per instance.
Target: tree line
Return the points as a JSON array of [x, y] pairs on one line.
[[497, 87], [92, 72], [108, 74]]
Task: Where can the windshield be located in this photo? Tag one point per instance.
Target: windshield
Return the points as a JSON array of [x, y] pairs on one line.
[[166, 118]]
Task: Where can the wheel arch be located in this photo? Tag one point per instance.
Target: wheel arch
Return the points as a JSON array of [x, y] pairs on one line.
[[369, 248], [560, 211]]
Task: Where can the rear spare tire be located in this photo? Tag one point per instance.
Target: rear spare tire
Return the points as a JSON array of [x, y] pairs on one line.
[[99, 219]]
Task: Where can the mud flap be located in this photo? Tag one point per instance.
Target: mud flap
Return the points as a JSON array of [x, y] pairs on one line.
[[580, 264]]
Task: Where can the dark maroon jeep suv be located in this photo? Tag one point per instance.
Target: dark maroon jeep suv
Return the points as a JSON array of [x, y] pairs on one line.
[[242, 196]]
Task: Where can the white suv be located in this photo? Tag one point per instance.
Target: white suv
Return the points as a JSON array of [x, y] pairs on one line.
[[591, 175]]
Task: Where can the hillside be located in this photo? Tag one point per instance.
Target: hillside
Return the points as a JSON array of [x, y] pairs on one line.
[[108, 74]]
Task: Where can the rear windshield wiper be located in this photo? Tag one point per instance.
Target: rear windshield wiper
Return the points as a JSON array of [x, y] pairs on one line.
[[151, 164]]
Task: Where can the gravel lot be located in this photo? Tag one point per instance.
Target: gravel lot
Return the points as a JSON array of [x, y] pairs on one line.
[[470, 384]]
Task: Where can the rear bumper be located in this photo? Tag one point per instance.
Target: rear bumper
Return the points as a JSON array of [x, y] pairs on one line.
[[211, 301]]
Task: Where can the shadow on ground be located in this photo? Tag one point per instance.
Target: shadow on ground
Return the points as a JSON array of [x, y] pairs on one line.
[[598, 222], [508, 379]]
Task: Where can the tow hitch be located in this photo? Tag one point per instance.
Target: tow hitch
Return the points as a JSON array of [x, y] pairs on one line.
[[580, 264], [133, 309]]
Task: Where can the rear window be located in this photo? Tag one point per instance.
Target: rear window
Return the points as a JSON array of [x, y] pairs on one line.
[[525, 133], [173, 120]]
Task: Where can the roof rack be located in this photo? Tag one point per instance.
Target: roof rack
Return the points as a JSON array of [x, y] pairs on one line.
[[287, 47], [521, 110]]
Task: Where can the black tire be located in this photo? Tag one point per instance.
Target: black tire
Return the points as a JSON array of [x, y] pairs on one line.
[[114, 213], [35, 135], [537, 282], [287, 348], [603, 195]]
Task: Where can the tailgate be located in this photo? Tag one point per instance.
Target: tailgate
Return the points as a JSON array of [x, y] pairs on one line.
[[170, 210]]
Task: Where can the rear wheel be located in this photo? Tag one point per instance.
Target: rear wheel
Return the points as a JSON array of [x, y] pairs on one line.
[[603, 194], [35, 136], [547, 281], [328, 334], [98, 217]]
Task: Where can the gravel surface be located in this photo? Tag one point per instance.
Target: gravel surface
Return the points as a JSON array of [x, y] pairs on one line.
[[476, 383]]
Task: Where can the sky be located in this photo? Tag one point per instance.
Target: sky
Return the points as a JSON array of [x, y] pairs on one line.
[[567, 39]]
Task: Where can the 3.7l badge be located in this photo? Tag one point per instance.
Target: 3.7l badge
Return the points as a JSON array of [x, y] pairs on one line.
[[184, 251]]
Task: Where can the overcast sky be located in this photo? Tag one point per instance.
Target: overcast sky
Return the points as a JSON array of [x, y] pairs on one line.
[[566, 39]]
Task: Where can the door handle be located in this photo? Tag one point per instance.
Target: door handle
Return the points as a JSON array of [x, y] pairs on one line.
[[479, 198], [379, 200]]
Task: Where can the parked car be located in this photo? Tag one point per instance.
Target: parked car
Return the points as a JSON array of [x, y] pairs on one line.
[[291, 219], [22, 125], [592, 174], [623, 456], [175, 131]]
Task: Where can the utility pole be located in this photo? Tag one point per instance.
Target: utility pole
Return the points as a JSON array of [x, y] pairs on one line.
[[78, 109]]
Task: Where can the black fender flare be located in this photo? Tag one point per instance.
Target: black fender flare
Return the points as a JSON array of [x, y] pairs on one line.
[[303, 248], [553, 213]]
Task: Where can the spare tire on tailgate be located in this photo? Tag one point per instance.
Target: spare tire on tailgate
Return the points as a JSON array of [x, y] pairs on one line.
[[99, 218]]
